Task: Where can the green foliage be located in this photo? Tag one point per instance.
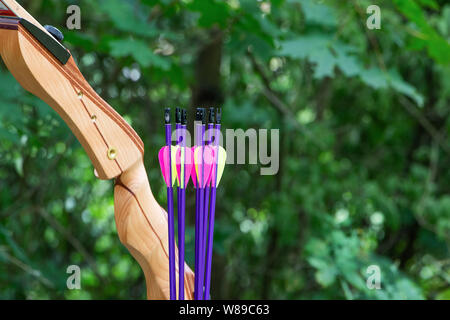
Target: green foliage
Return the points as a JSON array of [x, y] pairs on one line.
[[211, 12], [437, 46], [363, 118]]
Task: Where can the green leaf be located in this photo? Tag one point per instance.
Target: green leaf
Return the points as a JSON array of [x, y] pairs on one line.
[[318, 13], [346, 62], [429, 3], [413, 12], [444, 295], [18, 164], [140, 52], [315, 48], [374, 78], [396, 81], [128, 19], [325, 52], [305, 46], [437, 47], [327, 276], [211, 12]]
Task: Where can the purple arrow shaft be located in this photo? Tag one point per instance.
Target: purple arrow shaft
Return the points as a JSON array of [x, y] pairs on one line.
[[210, 244], [212, 216], [172, 278], [201, 273], [181, 219], [182, 244], [201, 251], [205, 215], [197, 222], [196, 267], [183, 210]]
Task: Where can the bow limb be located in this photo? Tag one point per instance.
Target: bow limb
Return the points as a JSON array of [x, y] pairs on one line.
[[46, 69], [111, 144]]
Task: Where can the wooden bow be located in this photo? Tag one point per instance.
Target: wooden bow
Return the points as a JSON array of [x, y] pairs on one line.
[[46, 69]]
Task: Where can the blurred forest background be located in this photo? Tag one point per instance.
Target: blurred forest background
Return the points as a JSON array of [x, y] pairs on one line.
[[364, 172]]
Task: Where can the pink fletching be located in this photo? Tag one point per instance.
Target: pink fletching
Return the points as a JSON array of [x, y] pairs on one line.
[[193, 172], [204, 161], [164, 163]]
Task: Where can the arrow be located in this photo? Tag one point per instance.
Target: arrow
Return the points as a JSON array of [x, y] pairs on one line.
[[208, 163], [220, 156], [200, 131], [184, 165], [167, 164], [179, 210]]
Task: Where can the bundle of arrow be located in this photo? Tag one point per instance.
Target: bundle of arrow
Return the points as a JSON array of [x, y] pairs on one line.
[[204, 164]]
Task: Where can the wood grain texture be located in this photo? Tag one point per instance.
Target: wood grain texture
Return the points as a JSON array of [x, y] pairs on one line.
[[142, 227]]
